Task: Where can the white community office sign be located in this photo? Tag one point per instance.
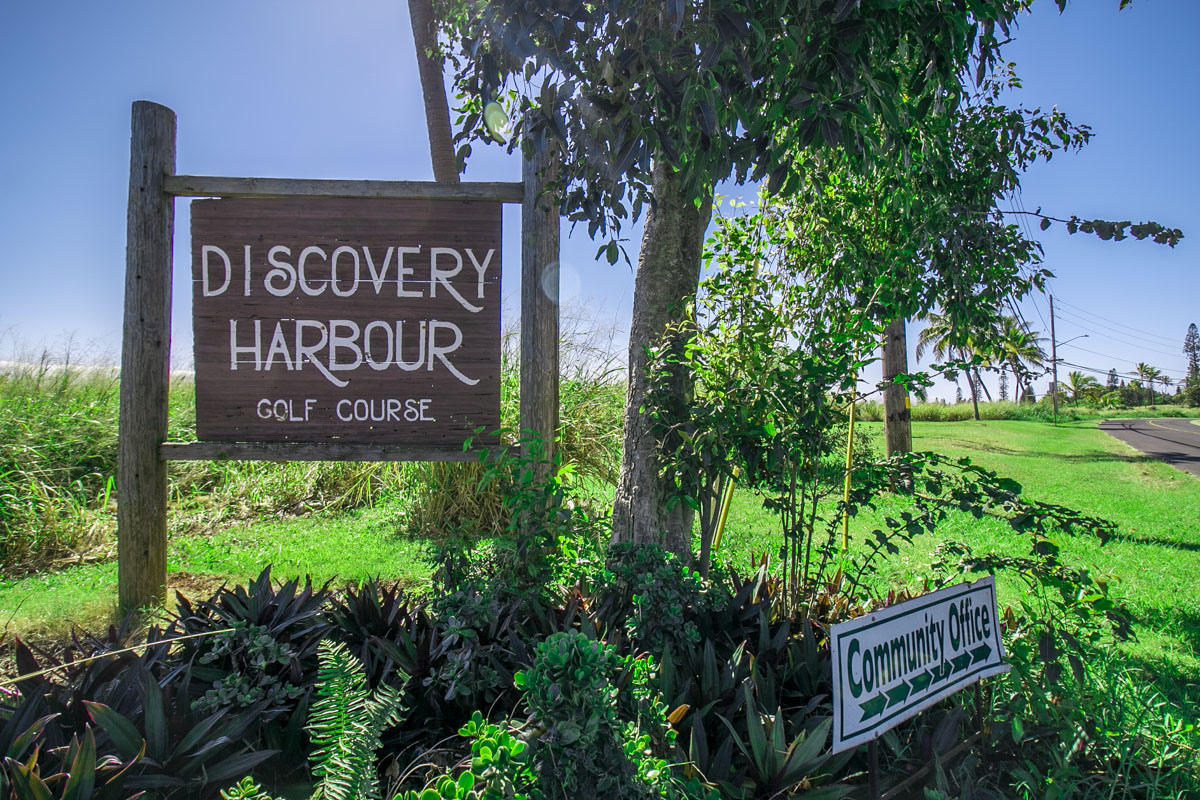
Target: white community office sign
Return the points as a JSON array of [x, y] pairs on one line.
[[893, 663]]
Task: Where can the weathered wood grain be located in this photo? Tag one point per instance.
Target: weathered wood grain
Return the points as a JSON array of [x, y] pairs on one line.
[[216, 186], [252, 396], [539, 299], [897, 423], [145, 361]]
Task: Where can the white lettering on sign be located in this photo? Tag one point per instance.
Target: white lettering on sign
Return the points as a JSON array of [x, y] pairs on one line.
[[346, 319], [341, 271], [342, 346], [384, 409], [205, 281], [282, 269], [284, 410], [893, 663]]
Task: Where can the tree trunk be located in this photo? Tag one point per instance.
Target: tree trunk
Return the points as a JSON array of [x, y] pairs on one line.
[[974, 391], [437, 110], [665, 285], [897, 425], [1022, 388], [982, 385]]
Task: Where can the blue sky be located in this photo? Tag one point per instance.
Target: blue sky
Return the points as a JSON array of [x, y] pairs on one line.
[[298, 88]]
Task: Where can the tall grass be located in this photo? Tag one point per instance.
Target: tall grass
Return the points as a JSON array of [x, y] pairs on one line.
[[58, 451], [58, 458]]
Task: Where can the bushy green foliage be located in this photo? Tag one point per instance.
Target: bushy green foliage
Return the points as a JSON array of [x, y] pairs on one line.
[[262, 651], [659, 595], [499, 768], [258, 661], [584, 746], [245, 789], [736, 704]]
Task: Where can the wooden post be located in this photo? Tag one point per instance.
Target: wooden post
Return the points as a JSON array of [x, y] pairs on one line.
[[145, 362], [873, 769], [539, 300], [897, 414]]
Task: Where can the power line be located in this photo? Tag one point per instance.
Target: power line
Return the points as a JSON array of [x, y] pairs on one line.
[[1096, 371], [1038, 309], [1017, 203], [1114, 358], [1082, 321], [1017, 315], [1165, 339], [1093, 370], [1075, 321]]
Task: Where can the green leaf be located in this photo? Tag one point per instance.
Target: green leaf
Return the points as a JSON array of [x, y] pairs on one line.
[[82, 772], [124, 735], [25, 784], [155, 721], [811, 749], [496, 121], [21, 742], [236, 765]]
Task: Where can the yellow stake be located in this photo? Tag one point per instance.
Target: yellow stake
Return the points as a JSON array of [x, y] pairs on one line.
[[726, 499], [849, 458]]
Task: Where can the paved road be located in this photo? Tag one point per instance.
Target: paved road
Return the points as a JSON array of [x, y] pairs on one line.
[[1175, 441]]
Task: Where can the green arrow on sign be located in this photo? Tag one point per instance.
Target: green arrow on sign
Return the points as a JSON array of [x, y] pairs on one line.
[[921, 682], [981, 653], [961, 662], [941, 671], [898, 694], [873, 706]]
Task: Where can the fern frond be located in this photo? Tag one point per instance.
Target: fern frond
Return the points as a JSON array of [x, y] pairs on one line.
[[345, 723]]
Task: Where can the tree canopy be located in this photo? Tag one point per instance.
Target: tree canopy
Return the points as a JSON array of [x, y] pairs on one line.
[[717, 89]]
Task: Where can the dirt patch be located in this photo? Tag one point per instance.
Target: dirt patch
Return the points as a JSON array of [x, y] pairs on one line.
[[193, 585], [54, 643]]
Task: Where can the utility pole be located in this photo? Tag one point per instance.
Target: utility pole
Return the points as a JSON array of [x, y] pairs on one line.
[[1054, 360]]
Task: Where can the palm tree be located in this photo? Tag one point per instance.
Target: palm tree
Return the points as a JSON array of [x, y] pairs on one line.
[[1149, 374], [1165, 380], [943, 337], [1081, 385], [1022, 348], [437, 110]]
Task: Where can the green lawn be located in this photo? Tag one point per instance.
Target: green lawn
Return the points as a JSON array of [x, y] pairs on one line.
[[1155, 558], [1156, 555], [345, 546]]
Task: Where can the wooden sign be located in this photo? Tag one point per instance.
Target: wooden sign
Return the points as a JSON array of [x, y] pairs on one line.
[[895, 662], [346, 320]]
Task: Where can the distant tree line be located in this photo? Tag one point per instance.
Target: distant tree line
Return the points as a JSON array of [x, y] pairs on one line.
[[1024, 358]]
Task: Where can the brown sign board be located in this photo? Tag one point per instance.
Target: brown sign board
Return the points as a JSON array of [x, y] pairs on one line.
[[346, 320]]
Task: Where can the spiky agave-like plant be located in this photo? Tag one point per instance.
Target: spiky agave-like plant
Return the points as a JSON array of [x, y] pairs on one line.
[[345, 723]]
